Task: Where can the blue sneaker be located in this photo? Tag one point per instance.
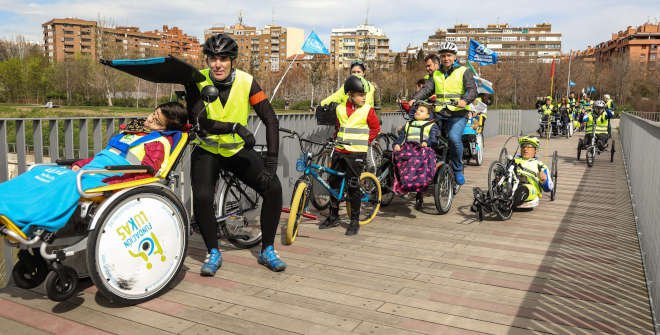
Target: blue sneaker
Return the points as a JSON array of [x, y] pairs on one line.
[[212, 263], [269, 258], [460, 179]]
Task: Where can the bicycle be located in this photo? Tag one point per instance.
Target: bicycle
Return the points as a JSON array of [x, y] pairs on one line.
[[503, 182], [369, 187]]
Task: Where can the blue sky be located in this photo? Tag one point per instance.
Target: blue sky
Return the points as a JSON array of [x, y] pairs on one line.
[[581, 23]]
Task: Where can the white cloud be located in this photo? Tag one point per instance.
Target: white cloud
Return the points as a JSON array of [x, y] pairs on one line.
[[580, 22]]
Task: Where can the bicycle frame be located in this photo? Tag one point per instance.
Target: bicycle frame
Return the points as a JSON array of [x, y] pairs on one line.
[[313, 169]]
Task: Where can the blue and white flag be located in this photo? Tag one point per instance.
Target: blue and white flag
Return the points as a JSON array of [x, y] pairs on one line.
[[480, 54], [571, 83], [314, 45], [483, 85]]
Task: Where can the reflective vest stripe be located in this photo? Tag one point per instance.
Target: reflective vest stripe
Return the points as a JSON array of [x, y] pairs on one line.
[[414, 131], [353, 130]]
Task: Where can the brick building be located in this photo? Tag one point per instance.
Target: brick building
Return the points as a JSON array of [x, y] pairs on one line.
[[537, 43], [639, 45]]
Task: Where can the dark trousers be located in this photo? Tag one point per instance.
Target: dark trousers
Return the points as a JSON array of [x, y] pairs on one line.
[[352, 164], [248, 167]]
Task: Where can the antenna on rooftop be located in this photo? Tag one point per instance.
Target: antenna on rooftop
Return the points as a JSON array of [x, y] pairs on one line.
[[240, 17], [366, 18]]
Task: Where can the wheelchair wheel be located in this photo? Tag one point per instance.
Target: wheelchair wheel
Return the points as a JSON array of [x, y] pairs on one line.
[[579, 148], [590, 155], [554, 172], [298, 204], [61, 285], [386, 178], [320, 196], [500, 192], [138, 243], [240, 206], [612, 152], [30, 270], [503, 154], [443, 189], [480, 152], [371, 198]]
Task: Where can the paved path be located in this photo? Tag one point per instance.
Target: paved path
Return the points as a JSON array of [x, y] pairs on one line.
[[571, 266]]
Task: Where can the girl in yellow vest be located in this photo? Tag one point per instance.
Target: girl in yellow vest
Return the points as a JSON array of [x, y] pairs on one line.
[[225, 143], [358, 68], [357, 126]]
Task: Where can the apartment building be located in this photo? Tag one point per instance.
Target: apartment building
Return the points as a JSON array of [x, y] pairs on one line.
[[364, 42], [66, 38], [639, 45], [535, 44], [266, 48]]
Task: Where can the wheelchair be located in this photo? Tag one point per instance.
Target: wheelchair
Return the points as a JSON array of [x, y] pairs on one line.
[[503, 181], [590, 144], [130, 238], [473, 145]]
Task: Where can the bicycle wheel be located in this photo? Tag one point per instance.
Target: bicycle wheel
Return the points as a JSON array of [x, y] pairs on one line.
[[386, 179], [320, 196], [554, 173], [298, 204], [579, 148], [480, 150], [240, 205], [612, 152], [500, 191], [443, 190], [503, 155], [591, 154], [374, 157], [371, 198]]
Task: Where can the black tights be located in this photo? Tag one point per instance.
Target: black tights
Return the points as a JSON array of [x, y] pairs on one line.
[[352, 164], [247, 166]]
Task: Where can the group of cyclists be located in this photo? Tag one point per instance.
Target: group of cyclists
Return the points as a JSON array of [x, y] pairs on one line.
[[224, 142], [571, 114]]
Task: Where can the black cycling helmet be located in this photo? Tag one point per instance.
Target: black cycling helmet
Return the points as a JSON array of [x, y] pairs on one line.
[[356, 84], [359, 63], [221, 45]]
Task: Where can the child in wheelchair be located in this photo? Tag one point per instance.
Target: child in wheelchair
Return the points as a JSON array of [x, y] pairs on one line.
[[46, 196], [414, 156]]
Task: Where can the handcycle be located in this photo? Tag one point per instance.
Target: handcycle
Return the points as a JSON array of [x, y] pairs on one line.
[[503, 182], [547, 126], [444, 185], [592, 148], [369, 187]]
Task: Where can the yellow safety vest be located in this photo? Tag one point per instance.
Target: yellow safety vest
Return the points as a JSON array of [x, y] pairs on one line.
[[547, 109], [354, 129], [413, 130], [530, 169], [236, 110], [608, 104], [340, 96], [601, 124], [450, 88], [136, 154]]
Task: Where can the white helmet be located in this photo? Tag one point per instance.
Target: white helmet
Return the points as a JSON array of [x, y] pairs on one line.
[[606, 96], [448, 46], [599, 104]]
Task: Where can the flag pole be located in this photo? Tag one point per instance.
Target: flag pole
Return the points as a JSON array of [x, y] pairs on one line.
[[568, 83]]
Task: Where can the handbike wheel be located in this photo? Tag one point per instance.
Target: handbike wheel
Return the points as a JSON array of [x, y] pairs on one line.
[[503, 154], [612, 152], [240, 206], [137, 244], [61, 285], [443, 189], [298, 204], [499, 191], [320, 196], [371, 197], [591, 155], [579, 148], [554, 173], [480, 152]]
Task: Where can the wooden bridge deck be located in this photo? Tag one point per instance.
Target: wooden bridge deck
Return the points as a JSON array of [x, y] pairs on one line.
[[571, 266]]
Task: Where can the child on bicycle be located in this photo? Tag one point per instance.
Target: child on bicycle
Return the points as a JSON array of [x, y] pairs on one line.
[[357, 126], [534, 176], [421, 132]]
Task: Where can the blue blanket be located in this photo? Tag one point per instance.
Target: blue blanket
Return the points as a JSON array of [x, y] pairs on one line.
[[46, 196]]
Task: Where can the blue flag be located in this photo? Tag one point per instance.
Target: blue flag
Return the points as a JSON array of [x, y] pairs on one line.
[[314, 45], [480, 54], [571, 83]]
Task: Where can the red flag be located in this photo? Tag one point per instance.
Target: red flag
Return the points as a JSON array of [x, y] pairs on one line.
[[552, 69]]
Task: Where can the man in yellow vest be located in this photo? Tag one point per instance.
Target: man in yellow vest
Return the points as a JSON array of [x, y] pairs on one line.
[[452, 83], [599, 118], [358, 68], [357, 126], [224, 143], [609, 104]]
